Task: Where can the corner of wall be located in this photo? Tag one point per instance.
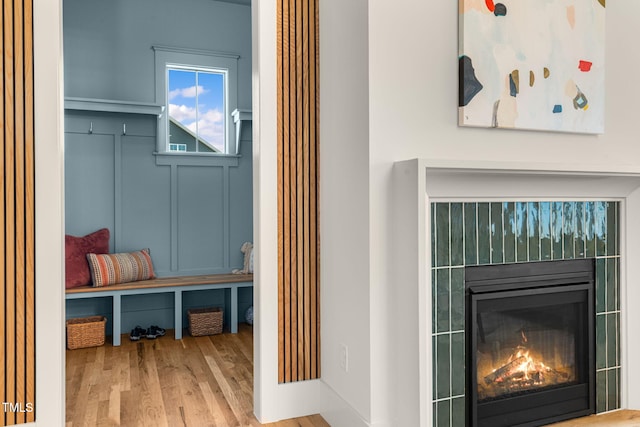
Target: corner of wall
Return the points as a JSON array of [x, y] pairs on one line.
[[345, 206], [630, 272], [410, 302], [50, 366]]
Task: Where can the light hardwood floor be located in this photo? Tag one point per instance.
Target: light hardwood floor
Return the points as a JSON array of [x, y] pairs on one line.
[[612, 419], [193, 382]]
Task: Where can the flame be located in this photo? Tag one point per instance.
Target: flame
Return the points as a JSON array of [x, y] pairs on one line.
[[529, 369], [523, 369]]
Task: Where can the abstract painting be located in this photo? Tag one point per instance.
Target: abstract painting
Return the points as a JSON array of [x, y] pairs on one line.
[[532, 64]]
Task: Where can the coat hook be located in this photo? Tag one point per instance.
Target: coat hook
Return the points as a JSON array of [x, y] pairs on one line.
[[124, 128], [91, 127]]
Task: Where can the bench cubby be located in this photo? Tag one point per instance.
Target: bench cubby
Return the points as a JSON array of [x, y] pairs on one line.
[[175, 286]]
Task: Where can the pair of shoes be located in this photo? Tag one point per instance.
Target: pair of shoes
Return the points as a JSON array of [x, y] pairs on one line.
[[155, 332], [137, 333], [152, 333]]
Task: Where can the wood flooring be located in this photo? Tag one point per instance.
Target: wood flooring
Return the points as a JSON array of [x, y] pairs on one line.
[[193, 382], [624, 418]]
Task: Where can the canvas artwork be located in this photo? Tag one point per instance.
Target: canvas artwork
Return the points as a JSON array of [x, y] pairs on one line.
[[532, 64]]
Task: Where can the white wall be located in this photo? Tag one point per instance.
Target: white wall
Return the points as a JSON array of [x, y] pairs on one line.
[[344, 202], [630, 299], [414, 106], [412, 112], [413, 78], [49, 405], [412, 69], [273, 401], [344, 398]]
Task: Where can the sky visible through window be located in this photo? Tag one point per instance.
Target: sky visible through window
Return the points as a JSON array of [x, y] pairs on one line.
[[206, 119]]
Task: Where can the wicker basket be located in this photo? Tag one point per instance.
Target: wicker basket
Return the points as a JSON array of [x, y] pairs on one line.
[[205, 321], [85, 332]]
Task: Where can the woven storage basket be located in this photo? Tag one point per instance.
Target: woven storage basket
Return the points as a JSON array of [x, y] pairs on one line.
[[205, 321], [85, 332]]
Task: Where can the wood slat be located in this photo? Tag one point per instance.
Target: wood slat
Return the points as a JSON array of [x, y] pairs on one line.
[[17, 225], [293, 192], [30, 208], [298, 243], [286, 201], [280, 161], [9, 206], [287, 191], [20, 260], [314, 255], [306, 348], [3, 371], [299, 224]]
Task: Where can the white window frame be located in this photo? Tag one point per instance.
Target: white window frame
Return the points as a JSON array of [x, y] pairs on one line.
[[179, 147], [172, 57]]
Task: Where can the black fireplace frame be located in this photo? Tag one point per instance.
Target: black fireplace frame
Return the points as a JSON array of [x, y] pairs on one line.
[[568, 281]]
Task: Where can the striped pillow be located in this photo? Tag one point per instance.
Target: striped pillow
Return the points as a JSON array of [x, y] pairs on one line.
[[110, 269]]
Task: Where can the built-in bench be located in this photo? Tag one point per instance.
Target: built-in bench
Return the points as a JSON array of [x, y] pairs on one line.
[[175, 285]]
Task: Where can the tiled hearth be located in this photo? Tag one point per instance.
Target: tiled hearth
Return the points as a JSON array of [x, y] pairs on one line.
[[478, 233]]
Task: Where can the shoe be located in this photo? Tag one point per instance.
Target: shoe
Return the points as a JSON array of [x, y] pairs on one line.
[[137, 333], [155, 331]]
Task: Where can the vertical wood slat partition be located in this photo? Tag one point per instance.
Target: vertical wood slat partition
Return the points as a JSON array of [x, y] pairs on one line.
[[298, 242], [17, 221]]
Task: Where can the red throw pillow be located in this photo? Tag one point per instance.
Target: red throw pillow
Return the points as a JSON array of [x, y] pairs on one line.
[[76, 250]]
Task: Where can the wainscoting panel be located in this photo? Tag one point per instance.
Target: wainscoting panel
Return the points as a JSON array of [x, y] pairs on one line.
[[17, 228], [208, 224], [89, 183], [145, 197], [298, 251], [178, 207], [193, 213]]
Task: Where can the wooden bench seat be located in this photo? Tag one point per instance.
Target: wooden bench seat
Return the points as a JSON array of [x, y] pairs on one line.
[[175, 285]]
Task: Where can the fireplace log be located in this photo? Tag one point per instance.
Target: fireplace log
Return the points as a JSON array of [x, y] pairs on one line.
[[505, 371]]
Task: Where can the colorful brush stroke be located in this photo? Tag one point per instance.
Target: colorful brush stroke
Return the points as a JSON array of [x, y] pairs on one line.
[[532, 64]]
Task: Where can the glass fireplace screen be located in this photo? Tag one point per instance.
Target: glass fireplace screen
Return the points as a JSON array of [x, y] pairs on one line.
[[530, 342], [524, 350]]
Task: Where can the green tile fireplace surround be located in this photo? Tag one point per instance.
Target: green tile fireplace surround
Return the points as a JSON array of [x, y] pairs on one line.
[[465, 234]]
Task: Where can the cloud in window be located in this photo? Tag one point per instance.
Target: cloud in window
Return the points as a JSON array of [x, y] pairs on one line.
[[182, 113], [187, 92], [210, 125]]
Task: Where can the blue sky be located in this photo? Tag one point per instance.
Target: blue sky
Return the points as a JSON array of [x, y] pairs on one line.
[[209, 114]]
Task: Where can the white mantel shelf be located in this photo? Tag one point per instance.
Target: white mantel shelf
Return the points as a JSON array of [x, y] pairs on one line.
[[493, 184], [112, 106], [518, 168]]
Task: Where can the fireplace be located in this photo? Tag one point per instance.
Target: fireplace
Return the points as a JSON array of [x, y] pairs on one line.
[[530, 342], [473, 214]]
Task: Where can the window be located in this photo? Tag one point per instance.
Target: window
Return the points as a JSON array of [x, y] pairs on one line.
[[197, 109], [177, 147], [199, 91]]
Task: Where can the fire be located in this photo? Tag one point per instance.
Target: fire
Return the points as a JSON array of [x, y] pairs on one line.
[[522, 369], [526, 368]]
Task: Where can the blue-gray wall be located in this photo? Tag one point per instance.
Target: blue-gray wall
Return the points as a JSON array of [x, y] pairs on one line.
[[193, 213], [107, 44]]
